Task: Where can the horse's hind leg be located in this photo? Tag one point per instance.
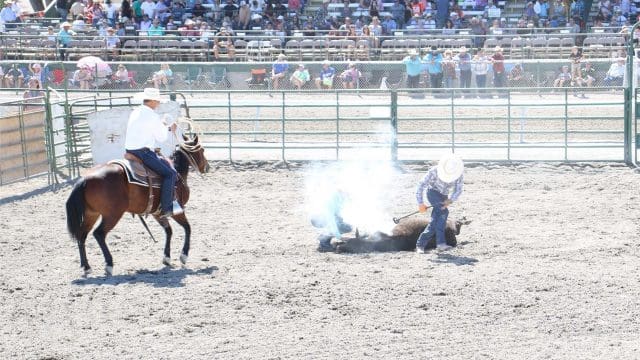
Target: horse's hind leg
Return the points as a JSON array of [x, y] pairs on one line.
[[89, 220], [182, 220], [100, 233]]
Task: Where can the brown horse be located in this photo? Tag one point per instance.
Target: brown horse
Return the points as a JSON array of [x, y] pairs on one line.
[[105, 192]]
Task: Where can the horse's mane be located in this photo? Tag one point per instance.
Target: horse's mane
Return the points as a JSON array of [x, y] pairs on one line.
[[180, 162]]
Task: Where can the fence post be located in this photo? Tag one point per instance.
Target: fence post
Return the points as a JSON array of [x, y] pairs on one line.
[[629, 104], [229, 123], [49, 139], [394, 125], [283, 126]]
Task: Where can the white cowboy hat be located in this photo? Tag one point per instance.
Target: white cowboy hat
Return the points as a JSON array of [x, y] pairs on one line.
[[450, 167], [149, 94]]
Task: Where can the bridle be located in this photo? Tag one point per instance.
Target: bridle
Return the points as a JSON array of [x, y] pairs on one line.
[[188, 150]]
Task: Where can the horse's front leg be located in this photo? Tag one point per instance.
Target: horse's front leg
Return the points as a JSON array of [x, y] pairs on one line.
[[166, 260], [182, 220]]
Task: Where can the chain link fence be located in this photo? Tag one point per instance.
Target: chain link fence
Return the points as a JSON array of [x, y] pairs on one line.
[[197, 76]]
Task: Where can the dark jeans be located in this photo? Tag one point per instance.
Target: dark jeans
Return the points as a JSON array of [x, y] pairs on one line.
[[169, 175], [413, 81], [436, 80], [465, 78], [481, 83], [438, 220]]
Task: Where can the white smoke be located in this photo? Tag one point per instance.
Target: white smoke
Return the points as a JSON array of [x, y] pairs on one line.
[[369, 189]]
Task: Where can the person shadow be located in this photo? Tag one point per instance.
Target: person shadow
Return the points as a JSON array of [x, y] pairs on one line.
[[166, 277], [448, 258]]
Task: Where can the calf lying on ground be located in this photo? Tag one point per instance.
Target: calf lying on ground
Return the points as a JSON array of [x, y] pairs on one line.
[[403, 237]]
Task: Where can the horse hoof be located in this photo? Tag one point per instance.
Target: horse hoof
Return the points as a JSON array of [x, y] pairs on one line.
[[166, 261], [183, 259], [86, 272], [108, 270]]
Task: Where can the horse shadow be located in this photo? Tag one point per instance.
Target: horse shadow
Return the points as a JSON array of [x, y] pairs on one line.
[[166, 277], [444, 258]]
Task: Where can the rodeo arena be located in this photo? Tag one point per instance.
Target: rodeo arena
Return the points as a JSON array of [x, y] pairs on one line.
[[319, 179]]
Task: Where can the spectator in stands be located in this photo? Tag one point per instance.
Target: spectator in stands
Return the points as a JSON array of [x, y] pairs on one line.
[[230, 9], [62, 8], [463, 59], [136, 6], [497, 61], [300, 77], [448, 69], [177, 10], [577, 10], [564, 77], [256, 22], [516, 76], [223, 44], [351, 76], [442, 12], [479, 32], [198, 10], [496, 28], [206, 33], [413, 67], [244, 15], [389, 25], [145, 23], [156, 28], [111, 12], [148, 8], [588, 77], [559, 11], [373, 9], [189, 29], [574, 28], [541, 8], [279, 71], [162, 11], [397, 13], [36, 73], [77, 9], [615, 74], [480, 67], [121, 77], [575, 56], [325, 78], [96, 13], [8, 16], [321, 14], [13, 77], [83, 78], [448, 28], [33, 94], [79, 24], [125, 10], [529, 13], [433, 59], [51, 36], [64, 39], [162, 77], [294, 6]]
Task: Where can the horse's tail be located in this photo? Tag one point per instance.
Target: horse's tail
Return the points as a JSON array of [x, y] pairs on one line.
[[75, 210]]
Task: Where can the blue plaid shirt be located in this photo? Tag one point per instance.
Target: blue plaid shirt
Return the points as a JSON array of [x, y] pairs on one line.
[[431, 181]]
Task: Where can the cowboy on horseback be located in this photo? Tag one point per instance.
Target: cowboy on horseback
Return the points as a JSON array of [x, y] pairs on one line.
[[144, 130]]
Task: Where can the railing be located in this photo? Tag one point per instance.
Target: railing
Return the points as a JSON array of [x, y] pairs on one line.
[[252, 46]]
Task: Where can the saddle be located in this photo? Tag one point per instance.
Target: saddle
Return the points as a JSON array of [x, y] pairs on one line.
[[138, 174]]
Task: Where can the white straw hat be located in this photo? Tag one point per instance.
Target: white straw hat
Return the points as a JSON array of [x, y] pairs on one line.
[[450, 167], [149, 94]]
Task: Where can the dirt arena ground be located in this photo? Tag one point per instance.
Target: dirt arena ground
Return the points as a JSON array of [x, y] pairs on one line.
[[549, 269]]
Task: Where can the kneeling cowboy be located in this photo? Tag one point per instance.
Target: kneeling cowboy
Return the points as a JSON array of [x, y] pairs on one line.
[[144, 130], [439, 182]]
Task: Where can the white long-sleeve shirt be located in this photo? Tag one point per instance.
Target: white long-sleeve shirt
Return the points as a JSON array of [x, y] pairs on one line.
[[145, 129]]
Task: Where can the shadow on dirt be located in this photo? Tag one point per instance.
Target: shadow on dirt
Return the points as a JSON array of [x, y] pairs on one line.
[[452, 259], [166, 277]]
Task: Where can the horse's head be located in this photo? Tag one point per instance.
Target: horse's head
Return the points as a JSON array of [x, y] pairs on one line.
[[195, 153]]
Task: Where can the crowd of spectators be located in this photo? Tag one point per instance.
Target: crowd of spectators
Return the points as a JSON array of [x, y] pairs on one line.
[[218, 21]]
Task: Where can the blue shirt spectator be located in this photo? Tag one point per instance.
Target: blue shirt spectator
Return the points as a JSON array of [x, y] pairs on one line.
[[413, 64], [434, 62]]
